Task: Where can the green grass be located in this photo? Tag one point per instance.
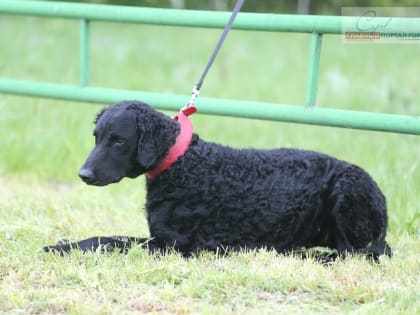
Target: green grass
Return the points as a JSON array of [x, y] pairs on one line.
[[44, 142]]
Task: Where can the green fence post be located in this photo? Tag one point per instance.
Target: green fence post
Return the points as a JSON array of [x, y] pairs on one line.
[[84, 52], [313, 71]]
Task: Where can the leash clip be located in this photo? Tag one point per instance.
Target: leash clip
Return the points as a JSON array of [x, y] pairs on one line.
[[190, 108]]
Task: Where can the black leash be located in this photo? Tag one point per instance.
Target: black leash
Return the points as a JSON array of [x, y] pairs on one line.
[[196, 89]]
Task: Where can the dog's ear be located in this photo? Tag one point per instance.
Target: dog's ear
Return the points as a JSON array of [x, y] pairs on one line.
[[146, 149], [156, 134]]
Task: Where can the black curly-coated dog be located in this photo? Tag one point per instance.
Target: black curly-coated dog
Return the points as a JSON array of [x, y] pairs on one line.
[[202, 195]]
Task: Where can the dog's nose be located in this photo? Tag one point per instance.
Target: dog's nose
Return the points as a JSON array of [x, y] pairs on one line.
[[86, 175]]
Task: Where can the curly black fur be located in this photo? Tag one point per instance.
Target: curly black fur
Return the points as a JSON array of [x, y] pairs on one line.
[[218, 197]]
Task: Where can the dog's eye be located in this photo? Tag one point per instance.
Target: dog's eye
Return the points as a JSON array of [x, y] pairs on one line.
[[117, 140]]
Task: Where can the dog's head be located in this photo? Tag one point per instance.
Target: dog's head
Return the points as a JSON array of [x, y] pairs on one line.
[[131, 138]]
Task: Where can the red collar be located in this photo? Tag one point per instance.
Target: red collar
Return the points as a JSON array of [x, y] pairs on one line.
[[182, 143]]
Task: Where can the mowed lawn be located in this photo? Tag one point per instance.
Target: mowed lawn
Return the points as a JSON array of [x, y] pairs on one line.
[[44, 143]]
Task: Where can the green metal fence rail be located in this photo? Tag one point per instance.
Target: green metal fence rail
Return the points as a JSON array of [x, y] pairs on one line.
[[308, 114]]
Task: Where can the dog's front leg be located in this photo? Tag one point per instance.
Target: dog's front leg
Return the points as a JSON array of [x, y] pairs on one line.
[[164, 232]]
